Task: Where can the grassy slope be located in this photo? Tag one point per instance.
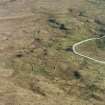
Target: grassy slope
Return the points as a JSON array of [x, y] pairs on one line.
[[50, 69]]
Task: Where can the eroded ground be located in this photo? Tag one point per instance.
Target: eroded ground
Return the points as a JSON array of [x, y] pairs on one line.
[[37, 64]]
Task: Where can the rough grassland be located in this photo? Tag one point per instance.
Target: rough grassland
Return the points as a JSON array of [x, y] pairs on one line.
[[37, 64]]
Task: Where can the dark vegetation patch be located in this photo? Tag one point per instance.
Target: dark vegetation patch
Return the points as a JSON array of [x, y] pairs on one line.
[[70, 73], [92, 90], [101, 43], [69, 49], [99, 3], [77, 75], [82, 13], [19, 55], [96, 97], [102, 30], [100, 20], [55, 24]]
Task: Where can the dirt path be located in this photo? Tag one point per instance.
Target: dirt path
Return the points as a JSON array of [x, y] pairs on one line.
[[16, 17], [81, 42]]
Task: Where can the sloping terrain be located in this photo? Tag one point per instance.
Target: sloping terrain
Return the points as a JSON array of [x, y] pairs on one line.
[[37, 64]]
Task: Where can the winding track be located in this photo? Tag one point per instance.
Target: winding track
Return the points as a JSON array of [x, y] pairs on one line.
[[81, 42], [16, 17], [74, 46]]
